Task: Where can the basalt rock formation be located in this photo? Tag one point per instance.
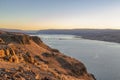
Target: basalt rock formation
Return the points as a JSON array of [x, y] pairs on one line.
[[24, 57]]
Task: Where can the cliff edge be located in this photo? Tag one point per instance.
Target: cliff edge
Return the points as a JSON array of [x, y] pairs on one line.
[[24, 57]]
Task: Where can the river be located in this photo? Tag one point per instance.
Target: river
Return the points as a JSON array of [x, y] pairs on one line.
[[101, 58]]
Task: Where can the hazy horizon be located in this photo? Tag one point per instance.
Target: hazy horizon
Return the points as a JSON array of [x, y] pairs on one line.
[[59, 14], [58, 29]]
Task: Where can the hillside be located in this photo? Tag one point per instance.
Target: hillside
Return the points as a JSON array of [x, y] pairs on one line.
[[24, 57]]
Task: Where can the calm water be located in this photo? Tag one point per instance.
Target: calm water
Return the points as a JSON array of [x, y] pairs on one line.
[[101, 58]]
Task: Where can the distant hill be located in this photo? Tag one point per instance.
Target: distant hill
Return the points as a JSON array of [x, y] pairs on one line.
[[110, 35], [11, 30], [76, 31]]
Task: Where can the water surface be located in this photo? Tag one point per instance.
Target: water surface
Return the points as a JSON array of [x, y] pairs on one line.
[[101, 58]]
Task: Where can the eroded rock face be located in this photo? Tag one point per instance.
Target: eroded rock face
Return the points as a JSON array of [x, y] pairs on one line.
[[16, 74], [2, 53], [24, 57], [36, 39], [14, 37]]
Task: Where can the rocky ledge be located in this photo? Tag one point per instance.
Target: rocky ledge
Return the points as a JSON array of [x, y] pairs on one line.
[[24, 57]]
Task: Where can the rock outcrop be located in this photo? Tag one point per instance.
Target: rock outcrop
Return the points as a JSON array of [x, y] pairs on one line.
[[24, 57]]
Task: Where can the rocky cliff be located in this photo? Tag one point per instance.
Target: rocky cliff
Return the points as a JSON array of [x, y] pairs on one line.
[[24, 57]]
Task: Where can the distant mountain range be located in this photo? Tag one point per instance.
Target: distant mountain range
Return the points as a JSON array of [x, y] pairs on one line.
[[110, 35], [76, 31]]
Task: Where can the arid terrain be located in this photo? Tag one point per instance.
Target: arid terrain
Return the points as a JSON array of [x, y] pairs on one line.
[[24, 57]]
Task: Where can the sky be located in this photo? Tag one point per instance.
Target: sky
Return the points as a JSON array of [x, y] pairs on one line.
[[59, 14]]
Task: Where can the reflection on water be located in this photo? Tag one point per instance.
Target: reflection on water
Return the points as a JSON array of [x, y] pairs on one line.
[[101, 58]]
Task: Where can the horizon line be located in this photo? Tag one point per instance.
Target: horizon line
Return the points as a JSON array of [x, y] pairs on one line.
[[62, 29]]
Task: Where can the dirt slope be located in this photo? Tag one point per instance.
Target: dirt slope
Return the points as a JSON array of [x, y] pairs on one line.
[[24, 57]]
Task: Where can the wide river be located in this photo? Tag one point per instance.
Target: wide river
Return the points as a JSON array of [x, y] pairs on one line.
[[101, 58]]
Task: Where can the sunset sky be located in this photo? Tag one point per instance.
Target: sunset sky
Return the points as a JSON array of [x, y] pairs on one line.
[[59, 14]]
